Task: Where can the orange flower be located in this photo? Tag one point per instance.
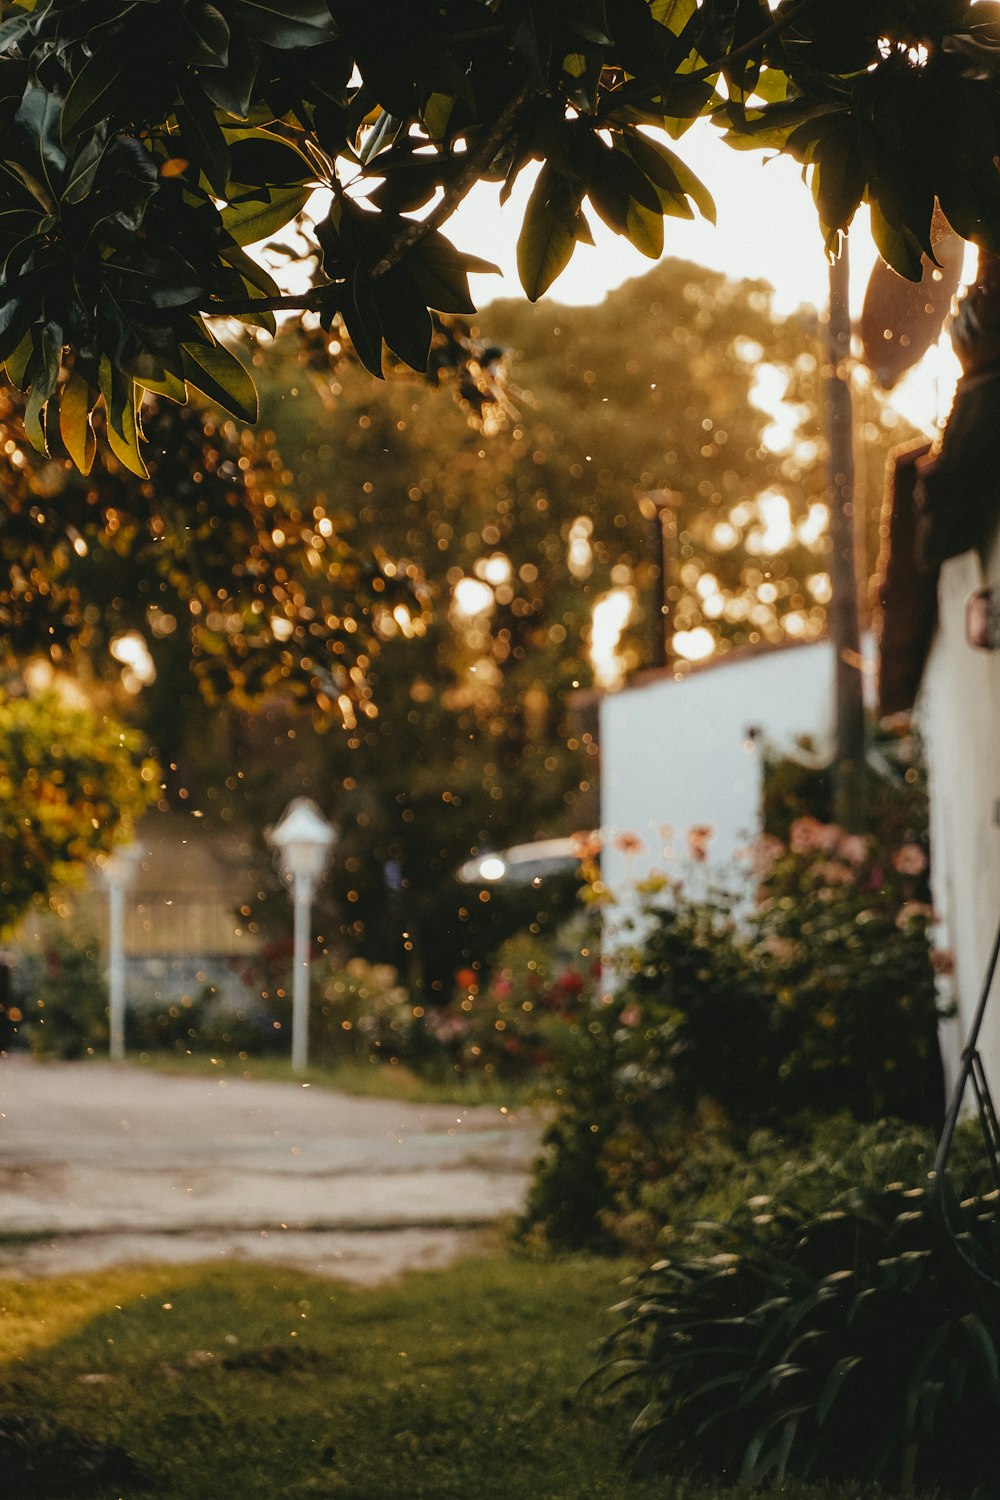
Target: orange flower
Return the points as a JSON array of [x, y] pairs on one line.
[[698, 839]]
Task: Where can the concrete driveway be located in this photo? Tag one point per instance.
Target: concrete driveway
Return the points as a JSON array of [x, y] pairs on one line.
[[104, 1164]]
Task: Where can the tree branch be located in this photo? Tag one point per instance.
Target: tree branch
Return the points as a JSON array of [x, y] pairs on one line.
[[749, 48], [476, 163]]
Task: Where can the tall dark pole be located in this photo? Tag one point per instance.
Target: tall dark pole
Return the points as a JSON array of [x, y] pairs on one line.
[[659, 511], [849, 765]]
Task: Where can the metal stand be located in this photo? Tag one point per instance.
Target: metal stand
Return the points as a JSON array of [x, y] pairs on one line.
[[951, 1215]]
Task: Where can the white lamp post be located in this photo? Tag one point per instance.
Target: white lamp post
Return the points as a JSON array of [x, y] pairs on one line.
[[119, 870], [303, 840]]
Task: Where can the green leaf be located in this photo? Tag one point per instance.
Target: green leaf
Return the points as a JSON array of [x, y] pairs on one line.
[[360, 315], [39, 116], [16, 363], [250, 220], [440, 272], [123, 433], [83, 168], [219, 375], [548, 235], [209, 31], [644, 229], [203, 135], [91, 90], [986, 1349], [897, 245], [406, 322], [834, 1385], [75, 426], [286, 23], [169, 386]]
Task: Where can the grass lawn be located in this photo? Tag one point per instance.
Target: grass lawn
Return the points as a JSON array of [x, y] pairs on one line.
[[372, 1079], [251, 1382]]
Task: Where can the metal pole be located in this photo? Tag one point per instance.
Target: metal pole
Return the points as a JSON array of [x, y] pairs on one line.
[[302, 899], [116, 970]]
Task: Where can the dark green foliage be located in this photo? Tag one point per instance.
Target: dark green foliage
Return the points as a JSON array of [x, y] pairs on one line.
[[61, 992], [823, 1330], [145, 146]]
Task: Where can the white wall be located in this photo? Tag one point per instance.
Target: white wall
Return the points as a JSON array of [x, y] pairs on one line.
[[959, 720], [678, 753]]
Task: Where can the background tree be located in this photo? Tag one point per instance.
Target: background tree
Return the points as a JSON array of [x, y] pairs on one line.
[[512, 522]]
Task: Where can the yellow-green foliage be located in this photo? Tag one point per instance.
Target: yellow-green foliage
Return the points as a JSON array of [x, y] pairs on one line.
[[71, 783]]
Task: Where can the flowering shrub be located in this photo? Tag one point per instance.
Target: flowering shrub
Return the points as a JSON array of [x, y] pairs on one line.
[[818, 995], [360, 1010], [523, 1017]]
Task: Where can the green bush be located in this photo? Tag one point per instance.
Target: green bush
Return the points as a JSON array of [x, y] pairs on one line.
[[813, 994], [823, 1330], [61, 996], [522, 1019]]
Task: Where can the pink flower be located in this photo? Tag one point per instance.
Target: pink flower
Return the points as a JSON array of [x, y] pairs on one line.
[[854, 848], [631, 1015], [804, 835], [909, 860], [629, 843], [942, 961]]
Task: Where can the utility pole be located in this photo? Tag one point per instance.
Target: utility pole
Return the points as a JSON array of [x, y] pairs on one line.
[[849, 800]]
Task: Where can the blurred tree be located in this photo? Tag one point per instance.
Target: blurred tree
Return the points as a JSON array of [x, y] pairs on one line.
[[514, 519]]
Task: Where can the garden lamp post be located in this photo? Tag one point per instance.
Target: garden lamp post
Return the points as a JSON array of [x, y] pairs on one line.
[[302, 841], [119, 870]]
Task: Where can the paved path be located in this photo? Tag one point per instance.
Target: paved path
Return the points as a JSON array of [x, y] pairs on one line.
[[103, 1164]]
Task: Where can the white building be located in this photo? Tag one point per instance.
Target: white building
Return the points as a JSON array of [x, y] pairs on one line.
[[929, 667], [684, 751]]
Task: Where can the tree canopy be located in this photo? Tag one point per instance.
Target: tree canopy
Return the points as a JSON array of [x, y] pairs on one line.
[[148, 144]]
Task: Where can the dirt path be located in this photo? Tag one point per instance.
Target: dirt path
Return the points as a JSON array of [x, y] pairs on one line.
[[103, 1164]]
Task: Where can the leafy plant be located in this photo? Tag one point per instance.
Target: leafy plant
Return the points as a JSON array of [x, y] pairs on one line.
[[70, 781], [61, 994], [146, 148], [731, 1016], [823, 1330]]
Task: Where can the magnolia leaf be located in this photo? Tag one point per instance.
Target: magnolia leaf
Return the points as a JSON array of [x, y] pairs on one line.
[[405, 320], [16, 363], [897, 244], [436, 113], [548, 235], [440, 272], [75, 426], [88, 98], [250, 220], [203, 136], [360, 315], [168, 386], [644, 229], [219, 375], [118, 392]]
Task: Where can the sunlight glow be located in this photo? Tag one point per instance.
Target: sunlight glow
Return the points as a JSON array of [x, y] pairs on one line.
[[693, 645], [471, 598], [611, 614]]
